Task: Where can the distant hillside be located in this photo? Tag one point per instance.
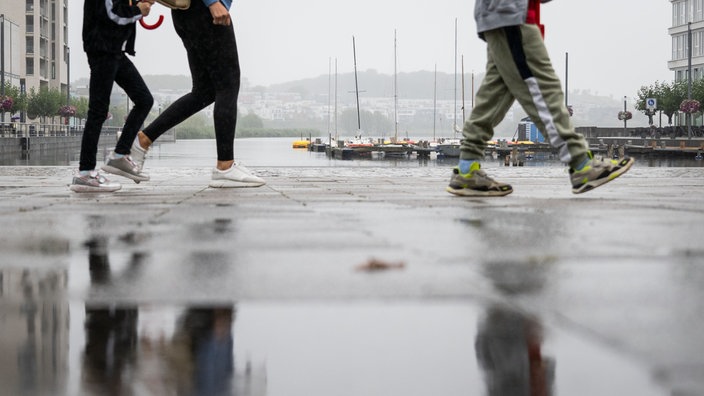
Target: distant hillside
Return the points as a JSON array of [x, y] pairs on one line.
[[589, 108], [414, 85]]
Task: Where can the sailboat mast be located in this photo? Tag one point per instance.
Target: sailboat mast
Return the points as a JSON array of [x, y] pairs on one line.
[[335, 114], [435, 98], [329, 95], [463, 116], [356, 84], [395, 93], [454, 129]]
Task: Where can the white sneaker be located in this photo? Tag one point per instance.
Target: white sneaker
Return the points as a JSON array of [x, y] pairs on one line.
[[237, 176]]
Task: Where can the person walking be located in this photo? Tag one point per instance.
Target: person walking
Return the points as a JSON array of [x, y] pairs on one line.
[[108, 35], [519, 68], [205, 29]]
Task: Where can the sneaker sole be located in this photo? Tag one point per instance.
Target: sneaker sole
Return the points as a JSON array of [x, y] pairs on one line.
[[596, 183], [88, 189], [233, 184], [120, 172], [466, 192]]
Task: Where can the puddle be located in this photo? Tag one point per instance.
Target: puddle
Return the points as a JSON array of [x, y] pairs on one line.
[[303, 348]]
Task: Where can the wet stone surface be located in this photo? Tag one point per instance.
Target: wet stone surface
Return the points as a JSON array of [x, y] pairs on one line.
[[170, 286]]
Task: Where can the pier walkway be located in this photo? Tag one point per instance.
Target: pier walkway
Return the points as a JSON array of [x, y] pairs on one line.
[[342, 259]]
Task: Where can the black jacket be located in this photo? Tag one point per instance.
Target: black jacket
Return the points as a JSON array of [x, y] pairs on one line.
[[109, 26]]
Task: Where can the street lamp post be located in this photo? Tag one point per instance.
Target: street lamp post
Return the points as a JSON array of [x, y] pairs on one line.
[[689, 77], [2, 63], [625, 120], [68, 76]]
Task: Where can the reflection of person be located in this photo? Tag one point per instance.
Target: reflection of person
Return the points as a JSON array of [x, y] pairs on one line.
[[111, 332], [207, 335], [108, 33], [519, 68], [508, 349], [209, 38]]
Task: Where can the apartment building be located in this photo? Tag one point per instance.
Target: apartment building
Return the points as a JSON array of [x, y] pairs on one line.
[[687, 17], [35, 51]]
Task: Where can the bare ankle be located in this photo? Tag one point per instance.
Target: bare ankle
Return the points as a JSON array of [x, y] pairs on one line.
[[144, 140]]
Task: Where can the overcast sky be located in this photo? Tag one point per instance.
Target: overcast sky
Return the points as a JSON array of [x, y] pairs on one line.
[[614, 47]]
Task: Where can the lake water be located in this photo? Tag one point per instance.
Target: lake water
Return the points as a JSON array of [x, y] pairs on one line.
[[278, 152]]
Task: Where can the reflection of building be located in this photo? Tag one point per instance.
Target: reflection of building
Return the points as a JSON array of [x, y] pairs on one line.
[[34, 328], [36, 46]]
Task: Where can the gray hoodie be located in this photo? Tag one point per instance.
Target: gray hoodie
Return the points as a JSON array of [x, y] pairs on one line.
[[494, 14]]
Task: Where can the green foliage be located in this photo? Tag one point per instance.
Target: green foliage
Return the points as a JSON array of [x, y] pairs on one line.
[[44, 103], [668, 96], [19, 99], [195, 127], [250, 121], [271, 132], [81, 104]]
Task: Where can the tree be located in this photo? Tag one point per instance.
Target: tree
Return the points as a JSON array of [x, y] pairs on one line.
[[44, 103], [251, 121], [671, 97], [19, 99], [645, 93], [81, 105]]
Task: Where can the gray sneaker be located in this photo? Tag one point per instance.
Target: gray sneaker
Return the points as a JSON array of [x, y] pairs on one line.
[[476, 184], [124, 166], [598, 172], [94, 182], [237, 176], [138, 154]]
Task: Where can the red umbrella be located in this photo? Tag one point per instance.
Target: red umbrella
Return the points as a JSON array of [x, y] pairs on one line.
[[154, 26]]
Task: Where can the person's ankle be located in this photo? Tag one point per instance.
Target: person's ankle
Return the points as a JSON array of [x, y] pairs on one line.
[[143, 140], [225, 165]]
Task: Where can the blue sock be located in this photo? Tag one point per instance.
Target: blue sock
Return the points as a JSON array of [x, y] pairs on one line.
[[465, 165], [84, 172], [117, 156], [582, 164]]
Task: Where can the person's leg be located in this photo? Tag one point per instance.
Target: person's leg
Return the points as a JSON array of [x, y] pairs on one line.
[[216, 70], [525, 66], [188, 25], [492, 102], [227, 68], [129, 79], [103, 69]]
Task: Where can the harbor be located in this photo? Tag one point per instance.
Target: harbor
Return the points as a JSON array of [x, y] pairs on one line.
[[611, 147]]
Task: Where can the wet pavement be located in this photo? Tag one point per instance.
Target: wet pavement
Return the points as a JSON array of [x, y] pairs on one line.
[[352, 281]]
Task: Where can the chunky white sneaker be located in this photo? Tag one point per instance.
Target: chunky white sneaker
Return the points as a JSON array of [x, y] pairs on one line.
[[237, 176]]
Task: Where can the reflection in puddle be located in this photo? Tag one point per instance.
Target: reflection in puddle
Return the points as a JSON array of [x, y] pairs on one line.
[[54, 345], [300, 349], [125, 354]]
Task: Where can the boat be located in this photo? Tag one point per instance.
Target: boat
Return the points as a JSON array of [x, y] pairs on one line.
[[449, 147], [301, 144]]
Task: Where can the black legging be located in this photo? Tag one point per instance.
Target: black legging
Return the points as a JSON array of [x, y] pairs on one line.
[[215, 74], [104, 70]]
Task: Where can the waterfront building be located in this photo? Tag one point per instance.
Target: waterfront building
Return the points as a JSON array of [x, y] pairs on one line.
[[35, 47]]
